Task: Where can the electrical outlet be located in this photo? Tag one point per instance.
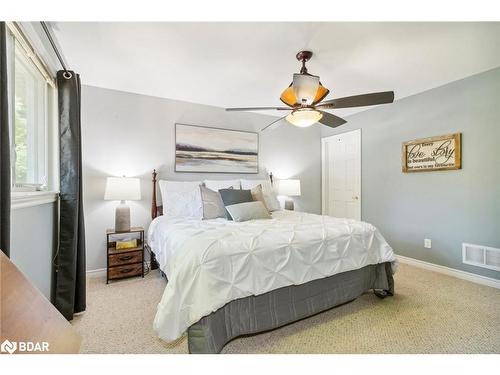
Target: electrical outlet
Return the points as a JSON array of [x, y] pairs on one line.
[[427, 243]]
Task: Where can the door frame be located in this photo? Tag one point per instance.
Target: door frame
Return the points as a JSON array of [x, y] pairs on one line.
[[324, 140]]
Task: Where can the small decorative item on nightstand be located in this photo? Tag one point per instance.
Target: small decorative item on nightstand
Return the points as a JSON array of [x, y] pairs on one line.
[[289, 188], [128, 261]]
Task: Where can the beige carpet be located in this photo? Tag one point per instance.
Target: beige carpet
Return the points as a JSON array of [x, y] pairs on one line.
[[430, 313]]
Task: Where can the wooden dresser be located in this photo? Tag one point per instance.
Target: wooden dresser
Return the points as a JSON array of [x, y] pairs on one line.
[[27, 316], [123, 263]]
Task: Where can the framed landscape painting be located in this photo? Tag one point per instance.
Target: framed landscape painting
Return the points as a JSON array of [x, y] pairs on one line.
[[214, 150]]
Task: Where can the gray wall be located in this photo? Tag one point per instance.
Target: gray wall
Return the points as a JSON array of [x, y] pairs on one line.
[[130, 134], [33, 231], [449, 207]]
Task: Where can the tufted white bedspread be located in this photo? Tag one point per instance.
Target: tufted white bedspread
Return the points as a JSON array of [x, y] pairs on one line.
[[212, 262]]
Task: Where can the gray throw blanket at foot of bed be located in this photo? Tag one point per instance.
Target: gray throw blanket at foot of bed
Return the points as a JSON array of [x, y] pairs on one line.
[[282, 306]]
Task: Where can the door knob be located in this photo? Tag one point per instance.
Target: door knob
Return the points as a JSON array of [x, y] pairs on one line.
[[356, 197]]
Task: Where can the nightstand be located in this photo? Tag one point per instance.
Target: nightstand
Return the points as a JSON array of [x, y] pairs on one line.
[[124, 263]]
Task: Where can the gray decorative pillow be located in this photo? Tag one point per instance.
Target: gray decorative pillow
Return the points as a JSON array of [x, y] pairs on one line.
[[213, 206], [248, 211], [234, 196]]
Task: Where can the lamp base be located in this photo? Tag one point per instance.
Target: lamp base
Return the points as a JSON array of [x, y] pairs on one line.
[[122, 218], [289, 205]]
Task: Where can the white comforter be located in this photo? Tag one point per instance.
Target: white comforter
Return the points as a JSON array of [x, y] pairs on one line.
[[212, 262]]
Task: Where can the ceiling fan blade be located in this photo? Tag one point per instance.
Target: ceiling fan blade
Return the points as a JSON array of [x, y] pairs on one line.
[[273, 125], [258, 109], [360, 100], [331, 120]]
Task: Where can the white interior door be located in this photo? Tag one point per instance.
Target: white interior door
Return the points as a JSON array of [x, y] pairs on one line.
[[341, 177]]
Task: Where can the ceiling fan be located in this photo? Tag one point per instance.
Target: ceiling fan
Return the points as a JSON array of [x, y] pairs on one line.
[[304, 99]]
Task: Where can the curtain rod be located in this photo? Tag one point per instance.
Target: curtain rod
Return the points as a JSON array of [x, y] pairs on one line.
[[66, 74]]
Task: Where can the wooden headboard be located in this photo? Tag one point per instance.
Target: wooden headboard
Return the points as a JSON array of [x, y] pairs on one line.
[[157, 210]]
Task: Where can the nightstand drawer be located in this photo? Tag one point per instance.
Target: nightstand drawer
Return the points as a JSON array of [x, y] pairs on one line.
[[125, 271], [125, 258]]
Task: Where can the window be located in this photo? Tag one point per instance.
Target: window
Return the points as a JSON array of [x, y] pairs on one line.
[[29, 133], [32, 113]]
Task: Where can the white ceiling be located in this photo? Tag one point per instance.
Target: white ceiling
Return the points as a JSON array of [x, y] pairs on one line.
[[249, 64]]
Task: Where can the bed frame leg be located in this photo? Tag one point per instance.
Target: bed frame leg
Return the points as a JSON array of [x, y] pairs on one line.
[[383, 293], [154, 263], [163, 275]]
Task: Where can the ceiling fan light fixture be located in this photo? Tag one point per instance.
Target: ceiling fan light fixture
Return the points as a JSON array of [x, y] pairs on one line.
[[305, 87], [304, 117], [288, 96], [321, 93]]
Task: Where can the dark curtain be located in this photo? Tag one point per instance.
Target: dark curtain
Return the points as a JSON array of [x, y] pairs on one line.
[[69, 294], [4, 147]]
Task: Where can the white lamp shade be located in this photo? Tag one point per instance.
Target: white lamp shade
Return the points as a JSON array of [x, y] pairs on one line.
[[122, 189], [289, 187]]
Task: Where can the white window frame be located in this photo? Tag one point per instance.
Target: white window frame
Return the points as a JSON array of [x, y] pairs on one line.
[[37, 141], [27, 196]]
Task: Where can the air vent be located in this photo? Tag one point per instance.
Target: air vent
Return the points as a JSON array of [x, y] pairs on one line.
[[481, 256]]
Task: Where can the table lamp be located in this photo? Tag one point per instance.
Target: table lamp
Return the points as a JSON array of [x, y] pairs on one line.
[[122, 189], [289, 188]]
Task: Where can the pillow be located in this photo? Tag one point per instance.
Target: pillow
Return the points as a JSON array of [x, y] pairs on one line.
[[213, 206], [234, 196], [248, 211], [182, 199], [270, 198], [257, 195], [216, 185]]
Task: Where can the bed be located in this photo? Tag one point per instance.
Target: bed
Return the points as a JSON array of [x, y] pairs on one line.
[[227, 279]]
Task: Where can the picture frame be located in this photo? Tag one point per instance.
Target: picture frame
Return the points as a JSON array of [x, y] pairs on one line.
[[437, 153], [203, 149]]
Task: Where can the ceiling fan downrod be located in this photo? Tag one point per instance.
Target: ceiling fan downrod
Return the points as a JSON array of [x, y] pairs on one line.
[[304, 56]]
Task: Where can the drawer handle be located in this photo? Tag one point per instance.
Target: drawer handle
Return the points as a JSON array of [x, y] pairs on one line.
[[126, 257], [126, 270]]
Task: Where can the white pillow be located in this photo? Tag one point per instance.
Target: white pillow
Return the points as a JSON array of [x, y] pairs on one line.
[[182, 199], [216, 185], [270, 198]]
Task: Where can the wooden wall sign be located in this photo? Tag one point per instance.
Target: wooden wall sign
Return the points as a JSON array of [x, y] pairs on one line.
[[432, 154]]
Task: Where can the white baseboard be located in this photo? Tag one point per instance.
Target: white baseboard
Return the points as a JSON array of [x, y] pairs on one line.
[[100, 272], [483, 280]]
